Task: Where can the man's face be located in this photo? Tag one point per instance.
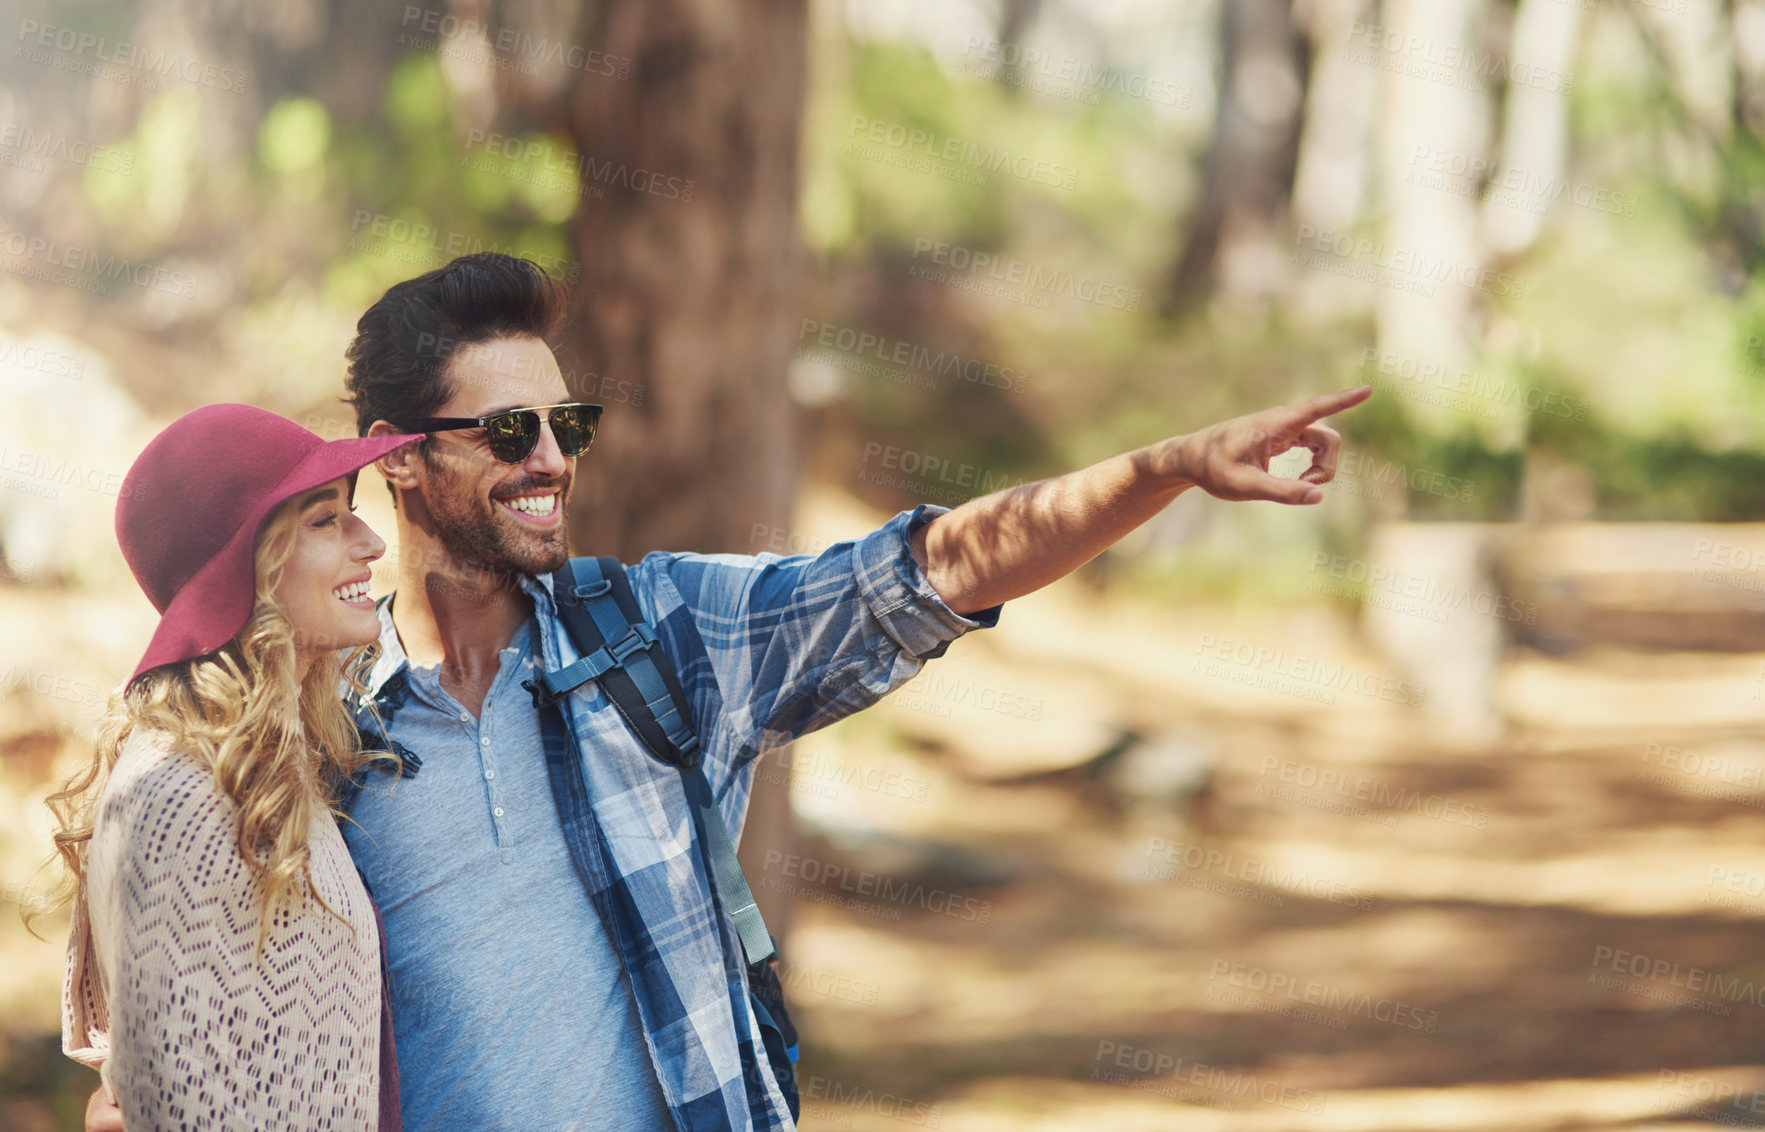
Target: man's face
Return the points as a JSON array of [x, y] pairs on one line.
[[494, 515]]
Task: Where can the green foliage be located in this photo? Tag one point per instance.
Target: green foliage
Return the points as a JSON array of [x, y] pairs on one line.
[[418, 196], [1670, 477], [1439, 474], [1631, 354], [1649, 321], [293, 136], [144, 209], [914, 176]]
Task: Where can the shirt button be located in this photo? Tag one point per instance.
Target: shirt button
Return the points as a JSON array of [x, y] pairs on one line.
[[484, 742], [498, 811], [490, 774], [465, 717]]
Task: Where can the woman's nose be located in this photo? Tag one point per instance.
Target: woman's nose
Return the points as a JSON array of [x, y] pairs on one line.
[[368, 545]]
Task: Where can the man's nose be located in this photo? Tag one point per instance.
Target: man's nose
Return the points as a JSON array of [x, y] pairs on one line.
[[546, 459]]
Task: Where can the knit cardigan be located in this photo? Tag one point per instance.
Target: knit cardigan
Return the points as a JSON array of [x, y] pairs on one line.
[[163, 994]]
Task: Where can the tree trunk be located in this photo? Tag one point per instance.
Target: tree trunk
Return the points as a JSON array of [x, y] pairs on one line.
[[686, 309], [1264, 65], [1437, 113], [689, 293]]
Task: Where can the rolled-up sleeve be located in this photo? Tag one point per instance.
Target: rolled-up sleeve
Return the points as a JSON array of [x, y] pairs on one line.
[[798, 643], [901, 597]]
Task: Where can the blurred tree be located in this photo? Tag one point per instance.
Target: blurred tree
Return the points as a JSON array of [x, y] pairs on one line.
[[1264, 66], [655, 144], [691, 268], [1014, 20], [1707, 99]]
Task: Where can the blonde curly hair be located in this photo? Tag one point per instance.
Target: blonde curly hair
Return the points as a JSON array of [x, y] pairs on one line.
[[277, 748]]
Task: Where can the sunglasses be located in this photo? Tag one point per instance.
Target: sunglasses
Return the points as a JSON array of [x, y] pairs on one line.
[[513, 433]]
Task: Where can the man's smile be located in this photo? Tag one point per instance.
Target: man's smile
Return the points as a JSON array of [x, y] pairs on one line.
[[540, 508]]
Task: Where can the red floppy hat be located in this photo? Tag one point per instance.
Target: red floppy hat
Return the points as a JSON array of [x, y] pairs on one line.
[[190, 508]]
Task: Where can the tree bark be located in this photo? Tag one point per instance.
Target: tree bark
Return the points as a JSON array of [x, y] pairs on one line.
[[686, 311], [1264, 66], [690, 288]]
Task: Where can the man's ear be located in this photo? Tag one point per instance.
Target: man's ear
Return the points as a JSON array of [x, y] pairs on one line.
[[397, 465]]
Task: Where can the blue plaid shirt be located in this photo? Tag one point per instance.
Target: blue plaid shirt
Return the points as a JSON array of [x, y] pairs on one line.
[[790, 645]]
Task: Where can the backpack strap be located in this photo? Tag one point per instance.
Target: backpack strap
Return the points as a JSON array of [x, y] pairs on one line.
[[596, 605], [372, 727], [647, 694], [375, 726]]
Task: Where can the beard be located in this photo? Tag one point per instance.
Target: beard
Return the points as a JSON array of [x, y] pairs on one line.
[[478, 534]]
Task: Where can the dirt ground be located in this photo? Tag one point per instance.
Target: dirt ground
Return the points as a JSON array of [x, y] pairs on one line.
[[1276, 909], [1356, 923]]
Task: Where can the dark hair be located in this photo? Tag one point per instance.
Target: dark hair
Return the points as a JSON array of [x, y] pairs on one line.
[[403, 344]]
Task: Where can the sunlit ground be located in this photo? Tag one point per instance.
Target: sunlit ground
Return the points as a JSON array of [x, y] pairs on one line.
[[1459, 952]]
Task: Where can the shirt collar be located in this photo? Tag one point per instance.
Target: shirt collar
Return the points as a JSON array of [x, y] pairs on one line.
[[539, 588], [392, 659]]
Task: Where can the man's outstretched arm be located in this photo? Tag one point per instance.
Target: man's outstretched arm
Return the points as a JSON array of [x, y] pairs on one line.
[[1014, 542]]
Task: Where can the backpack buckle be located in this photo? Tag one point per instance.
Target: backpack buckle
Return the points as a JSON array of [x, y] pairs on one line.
[[637, 640], [542, 699]]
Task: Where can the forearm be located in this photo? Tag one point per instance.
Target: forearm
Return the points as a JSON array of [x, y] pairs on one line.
[[1013, 542], [1010, 543]]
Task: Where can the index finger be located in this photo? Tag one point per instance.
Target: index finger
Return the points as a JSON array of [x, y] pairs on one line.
[[1324, 405]]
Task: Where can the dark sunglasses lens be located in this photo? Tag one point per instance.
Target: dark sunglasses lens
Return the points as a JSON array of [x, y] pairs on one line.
[[574, 426], [512, 435]]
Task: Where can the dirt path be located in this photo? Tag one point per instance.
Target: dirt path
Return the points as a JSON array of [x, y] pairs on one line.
[[1357, 925]]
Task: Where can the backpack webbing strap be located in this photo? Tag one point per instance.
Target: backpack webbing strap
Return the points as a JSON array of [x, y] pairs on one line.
[[596, 605], [375, 738]]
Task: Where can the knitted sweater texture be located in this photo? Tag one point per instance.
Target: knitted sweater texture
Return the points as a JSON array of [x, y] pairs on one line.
[[164, 994]]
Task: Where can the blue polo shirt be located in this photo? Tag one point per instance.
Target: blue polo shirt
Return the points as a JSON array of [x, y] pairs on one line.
[[510, 1004]]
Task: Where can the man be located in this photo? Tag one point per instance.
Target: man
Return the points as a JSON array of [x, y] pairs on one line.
[[513, 1007]]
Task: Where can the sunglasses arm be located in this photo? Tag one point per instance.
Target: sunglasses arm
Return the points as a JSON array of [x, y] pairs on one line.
[[447, 424]]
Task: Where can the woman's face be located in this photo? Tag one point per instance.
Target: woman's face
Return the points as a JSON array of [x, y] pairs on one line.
[[324, 585]]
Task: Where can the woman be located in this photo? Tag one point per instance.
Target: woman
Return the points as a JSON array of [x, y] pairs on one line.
[[225, 966]]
